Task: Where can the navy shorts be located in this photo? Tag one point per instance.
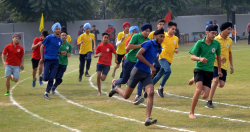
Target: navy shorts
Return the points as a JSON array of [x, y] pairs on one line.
[[119, 58], [138, 75], [204, 76], [103, 68], [224, 72], [35, 63]]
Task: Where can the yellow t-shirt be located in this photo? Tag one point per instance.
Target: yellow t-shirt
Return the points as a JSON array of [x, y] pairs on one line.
[[69, 39], [151, 35], [169, 45], [226, 48], [121, 48], [86, 46]]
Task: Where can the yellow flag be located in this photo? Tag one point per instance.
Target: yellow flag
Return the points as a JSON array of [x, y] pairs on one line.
[[41, 24]]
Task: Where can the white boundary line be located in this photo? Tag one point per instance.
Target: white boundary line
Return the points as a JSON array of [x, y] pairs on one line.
[[175, 111], [240, 106], [35, 115], [112, 115]]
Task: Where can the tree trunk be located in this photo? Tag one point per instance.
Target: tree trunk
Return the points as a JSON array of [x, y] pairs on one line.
[[231, 16]]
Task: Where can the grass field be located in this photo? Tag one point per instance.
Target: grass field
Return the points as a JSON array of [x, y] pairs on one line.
[[79, 109]]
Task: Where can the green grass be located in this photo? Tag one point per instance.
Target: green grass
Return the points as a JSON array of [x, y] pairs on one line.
[[59, 110]]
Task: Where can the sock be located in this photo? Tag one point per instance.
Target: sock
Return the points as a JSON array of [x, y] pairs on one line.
[[45, 93], [209, 101], [160, 87]]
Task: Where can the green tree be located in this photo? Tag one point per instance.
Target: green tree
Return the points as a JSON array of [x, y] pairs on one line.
[[53, 10], [147, 10]]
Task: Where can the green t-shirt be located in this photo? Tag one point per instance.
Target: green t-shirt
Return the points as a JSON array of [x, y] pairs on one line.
[[201, 49], [63, 59], [136, 39]]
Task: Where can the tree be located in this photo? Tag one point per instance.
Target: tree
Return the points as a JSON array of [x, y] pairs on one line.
[[149, 10], [229, 5], [53, 10]]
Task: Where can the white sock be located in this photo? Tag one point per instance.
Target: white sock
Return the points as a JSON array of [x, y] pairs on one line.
[[45, 93], [160, 87]]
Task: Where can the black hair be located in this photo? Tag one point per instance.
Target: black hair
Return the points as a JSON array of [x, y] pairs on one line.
[[64, 32], [161, 20], [64, 29], [105, 34], [170, 24], [45, 33], [93, 25], [81, 26]]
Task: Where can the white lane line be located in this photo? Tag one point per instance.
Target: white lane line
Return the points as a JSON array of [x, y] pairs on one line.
[[240, 106], [165, 109], [35, 115], [112, 115]]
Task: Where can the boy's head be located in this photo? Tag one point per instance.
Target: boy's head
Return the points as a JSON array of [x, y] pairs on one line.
[[159, 35], [146, 29], [212, 31], [93, 27], [105, 38], [87, 27], [215, 22], [161, 24], [44, 34], [226, 28], [56, 28], [133, 30], [81, 27], [126, 26], [64, 35], [171, 28], [16, 38]]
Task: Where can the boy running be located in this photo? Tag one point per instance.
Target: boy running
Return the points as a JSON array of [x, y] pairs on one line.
[[203, 52], [121, 41], [85, 40], [104, 52], [50, 58], [14, 60], [63, 61], [36, 56], [143, 72], [130, 61], [170, 46]]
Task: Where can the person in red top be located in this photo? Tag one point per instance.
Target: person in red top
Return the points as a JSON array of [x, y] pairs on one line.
[[104, 52], [112, 34], [36, 56], [14, 60]]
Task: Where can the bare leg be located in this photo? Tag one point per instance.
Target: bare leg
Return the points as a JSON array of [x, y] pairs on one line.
[[40, 71], [116, 67], [8, 83], [221, 83], [13, 78], [125, 93], [213, 88], [99, 82], [206, 91], [191, 81], [150, 91], [199, 87], [34, 73]]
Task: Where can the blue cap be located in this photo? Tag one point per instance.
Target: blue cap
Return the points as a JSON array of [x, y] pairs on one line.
[[111, 24], [133, 28], [86, 25], [53, 28]]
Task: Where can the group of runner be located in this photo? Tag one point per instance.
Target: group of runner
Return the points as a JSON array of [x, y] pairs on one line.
[[146, 57]]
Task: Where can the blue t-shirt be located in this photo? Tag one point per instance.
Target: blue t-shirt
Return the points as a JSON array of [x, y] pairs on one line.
[[150, 55], [52, 45]]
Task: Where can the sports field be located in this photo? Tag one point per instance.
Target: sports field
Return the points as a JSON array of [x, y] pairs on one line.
[[77, 108]]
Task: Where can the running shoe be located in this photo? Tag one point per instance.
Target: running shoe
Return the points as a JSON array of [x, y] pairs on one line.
[[150, 121], [113, 84], [7, 94], [209, 105], [138, 100], [80, 79], [54, 93], [160, 92], [112, 92], [46, 96], [87, 74], [34, 83]]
